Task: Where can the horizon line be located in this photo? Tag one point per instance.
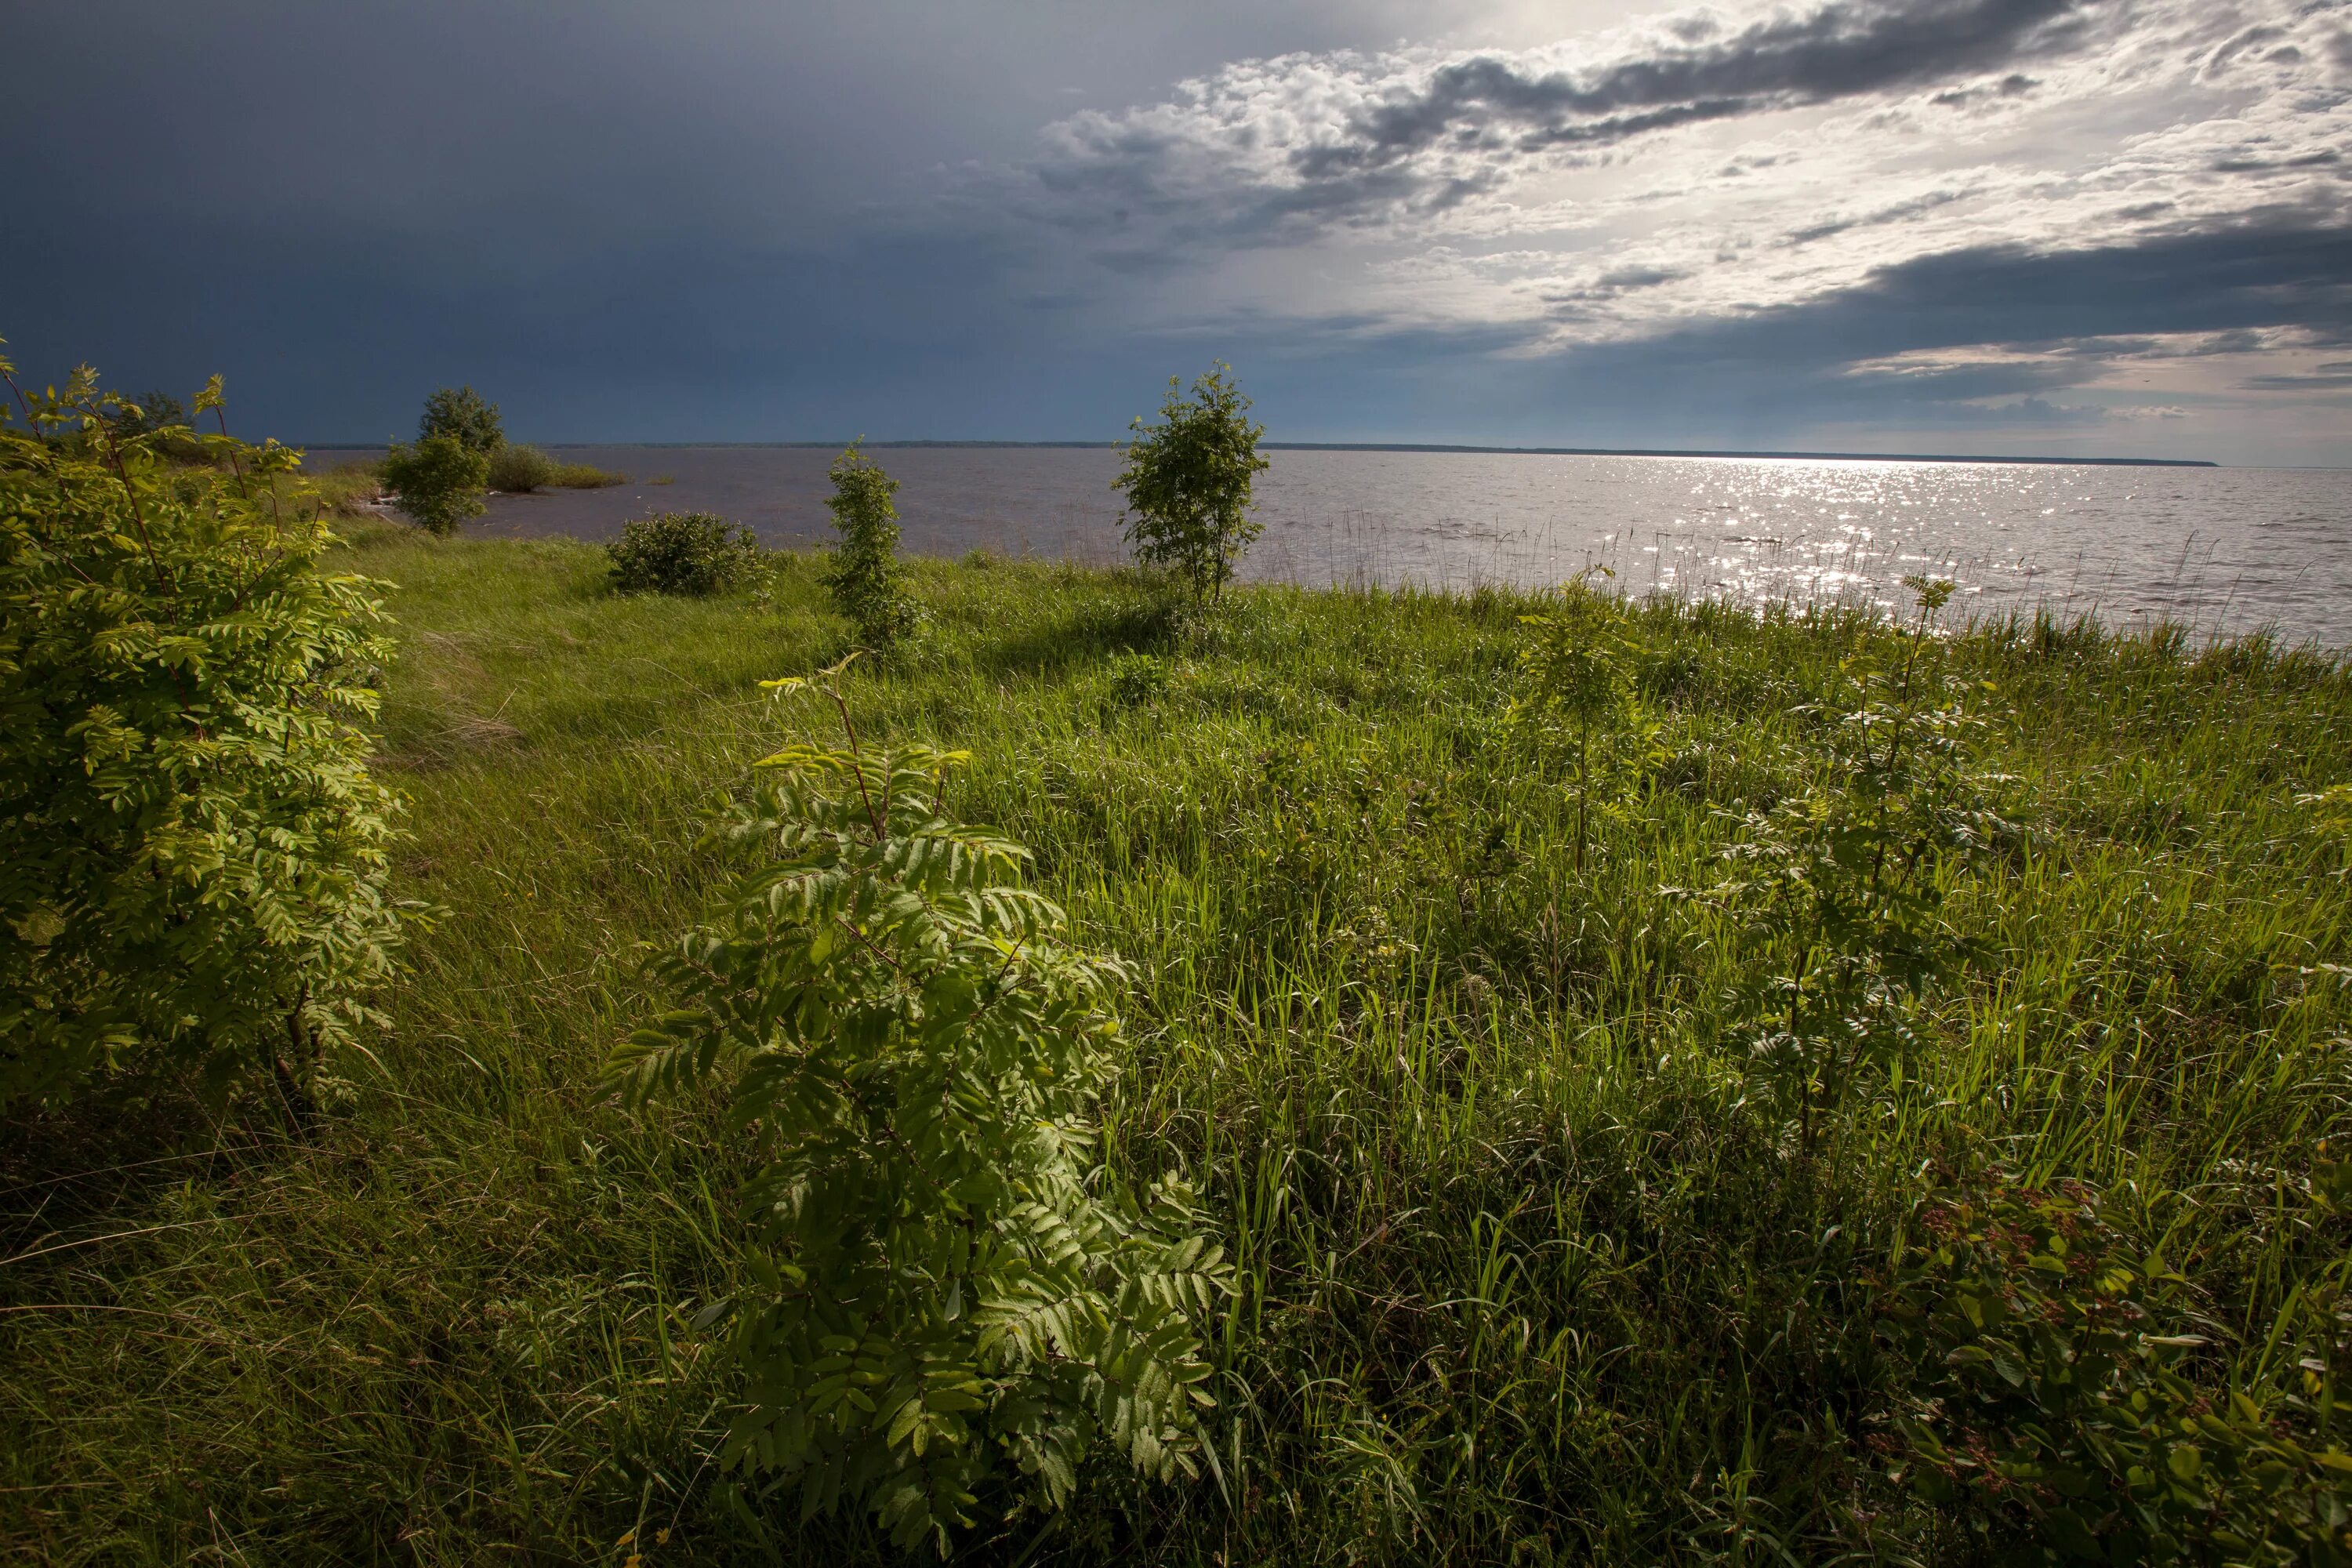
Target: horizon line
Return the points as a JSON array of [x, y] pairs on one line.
[[1759, 454]]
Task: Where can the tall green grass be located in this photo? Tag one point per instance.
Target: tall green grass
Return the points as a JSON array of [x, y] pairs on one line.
[[1527, 1277]]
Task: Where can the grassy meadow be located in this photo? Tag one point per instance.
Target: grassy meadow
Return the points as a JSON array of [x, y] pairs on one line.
[[1531, 1271]]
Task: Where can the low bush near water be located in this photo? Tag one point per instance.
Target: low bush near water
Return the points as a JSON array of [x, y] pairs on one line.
[[193, 851], [518, 470], [1846, 879], [163, 416], [1188, 481], [682, 553], [867, 580], [438, 482], [586, 477]]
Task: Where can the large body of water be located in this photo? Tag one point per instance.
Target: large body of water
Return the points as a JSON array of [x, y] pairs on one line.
[[2217, 549]]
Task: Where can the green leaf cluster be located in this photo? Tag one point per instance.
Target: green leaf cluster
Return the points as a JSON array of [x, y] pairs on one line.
[[947, 1282], [2058, 1400], [161, 415], [1188, 482], [1576, 679], [438, 482], [682, 553], [867, 579], [463, 416], [1137, 678], [192, 849]]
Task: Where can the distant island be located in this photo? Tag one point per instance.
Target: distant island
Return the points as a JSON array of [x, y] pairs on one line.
[[1410, 446]]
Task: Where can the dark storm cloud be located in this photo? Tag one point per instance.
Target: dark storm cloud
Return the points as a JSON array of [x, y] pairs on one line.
[[2015, 84], [1639, 276], [2281, 273], [2336, 375], [1841, 51], [1784, 369], [2046, 322], [338, 336]]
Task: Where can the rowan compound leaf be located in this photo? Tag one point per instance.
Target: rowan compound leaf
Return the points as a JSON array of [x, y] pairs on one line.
[[202, 889], [965, 1283]]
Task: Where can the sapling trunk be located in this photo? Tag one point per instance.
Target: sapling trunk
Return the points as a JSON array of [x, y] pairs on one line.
[[1583, 789], [301, 1110]]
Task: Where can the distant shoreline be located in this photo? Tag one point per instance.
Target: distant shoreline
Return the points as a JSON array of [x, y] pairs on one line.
[[1364, 447]]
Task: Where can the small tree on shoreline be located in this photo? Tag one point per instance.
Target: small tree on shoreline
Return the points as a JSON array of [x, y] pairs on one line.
[[1187, 478], [867, 581], [465, 417], [438, 482], [1576, 677]]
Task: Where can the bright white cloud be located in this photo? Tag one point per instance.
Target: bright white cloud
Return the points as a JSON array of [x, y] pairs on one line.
[[1709, 165]]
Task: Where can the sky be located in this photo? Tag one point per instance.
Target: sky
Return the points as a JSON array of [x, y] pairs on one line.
[[2034, 226]]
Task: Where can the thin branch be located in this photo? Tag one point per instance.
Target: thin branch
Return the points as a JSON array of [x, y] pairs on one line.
[[869, 945], [237, 464], [114, 451], [24, 402], [857, 765]]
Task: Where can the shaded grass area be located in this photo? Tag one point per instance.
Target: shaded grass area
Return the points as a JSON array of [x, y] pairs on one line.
[[1529, 1275]]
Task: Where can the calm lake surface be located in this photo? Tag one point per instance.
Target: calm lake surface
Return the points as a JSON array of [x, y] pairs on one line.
[[2220, 549]]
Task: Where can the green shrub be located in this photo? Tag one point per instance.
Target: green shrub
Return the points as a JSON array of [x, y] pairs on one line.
[[682, 553], [517, 469], [161, 415], [586, 477], [438, 482], [1137, 678], [192, 849], [942, 1275], [461, 414], [867, 582], [1848, 879], [1575, 678], [150, 412], [2057, 1404], [1188, 481]]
